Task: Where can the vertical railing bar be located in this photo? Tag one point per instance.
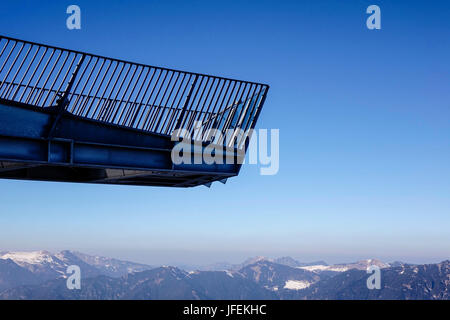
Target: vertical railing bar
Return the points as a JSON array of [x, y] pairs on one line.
[[213, 111], [32, 75], [173, 108], [4, 47], [243, 102], [48, 77], [124, 93], [213, 124], [80, 78], [130, 97], [148, 100], [238, 103], [257, 97], [263, 91], [194, 113], [154, 105], [245, 108], [161, 105], [211, 101], [63, 102], [26, 72], [11, 83], [169, 112], [40, 90], [102, 108], [139, 107], [64, 79], [149, 96], [17, 72], [83, 106], [102, 114], [86, 98], [98, 89], [202, 110], [189, 110], [76, 106], [31, 94], [228, 107], [213, 114], [251, 108], [11, 67], [121, 109], [110, 112], [87, 95], [244, 114], [232, 106], [7, 57], [224, 107], [173, 119], [135, 103], [257, 106], [56, 78], [107, 110], [233, 109], [186, 103]]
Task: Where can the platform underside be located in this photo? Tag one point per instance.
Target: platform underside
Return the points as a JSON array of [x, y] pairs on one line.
[[80, 174]]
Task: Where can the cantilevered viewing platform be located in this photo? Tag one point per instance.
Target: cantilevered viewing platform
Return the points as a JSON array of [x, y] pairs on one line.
[[71, 116]]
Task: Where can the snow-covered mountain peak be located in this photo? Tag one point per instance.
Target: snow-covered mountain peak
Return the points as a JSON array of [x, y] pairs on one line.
[[28, 257], [359, 265]]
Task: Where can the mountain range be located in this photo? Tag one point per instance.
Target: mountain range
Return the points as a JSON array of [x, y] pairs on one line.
[[42, 275]]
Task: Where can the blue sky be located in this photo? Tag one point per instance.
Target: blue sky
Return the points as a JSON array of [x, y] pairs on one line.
[[364, 133]]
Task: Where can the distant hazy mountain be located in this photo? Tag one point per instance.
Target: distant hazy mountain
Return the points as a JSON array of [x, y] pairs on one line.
[[398, 264], [424, 282], [218, 266], [42, 264], [167, 283], [47, 266], [291, 262], [221, 266], [332, 269], [13, 275], [257, 281], [41, 275], [276, 276], [110, 267], [229, 286]]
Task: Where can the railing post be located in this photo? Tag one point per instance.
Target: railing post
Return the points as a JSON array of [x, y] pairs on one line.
[[63, 102]]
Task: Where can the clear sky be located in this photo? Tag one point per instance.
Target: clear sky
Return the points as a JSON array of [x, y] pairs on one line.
[[364, 133]]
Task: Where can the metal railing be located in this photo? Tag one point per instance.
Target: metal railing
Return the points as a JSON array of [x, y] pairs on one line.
[[124, 93]]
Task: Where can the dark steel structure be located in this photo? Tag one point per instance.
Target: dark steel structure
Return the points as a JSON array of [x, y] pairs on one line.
[[71, 116]]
